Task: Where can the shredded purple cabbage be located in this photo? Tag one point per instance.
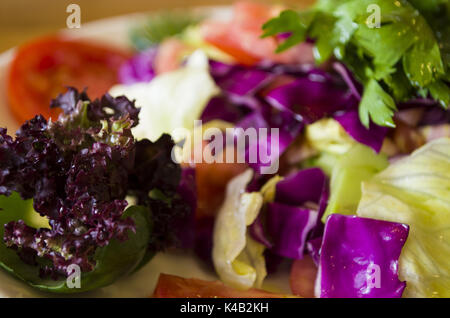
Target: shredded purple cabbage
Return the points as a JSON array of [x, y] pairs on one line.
[[300, 187], [289, 226], [288, 126], [241, 81], [435, 116], [139, 68], [311, 99], [313, 248], [258, 232], [354, 86], [372, 137], [359, 258], [221, 108]]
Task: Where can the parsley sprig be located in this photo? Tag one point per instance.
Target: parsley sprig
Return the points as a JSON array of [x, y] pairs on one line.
[[407, 56]]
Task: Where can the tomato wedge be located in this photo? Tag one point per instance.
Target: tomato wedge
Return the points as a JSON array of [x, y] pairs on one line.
[[303, 277], [45, 67], [241, 37], [170, 286], [223, 37], [169, 55]]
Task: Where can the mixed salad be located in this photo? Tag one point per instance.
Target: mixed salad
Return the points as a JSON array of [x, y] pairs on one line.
[[359, 205]]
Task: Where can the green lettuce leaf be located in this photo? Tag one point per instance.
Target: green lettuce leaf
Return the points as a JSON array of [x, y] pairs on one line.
[[360, 163], [173, 100], [239, 259], [416, 191]]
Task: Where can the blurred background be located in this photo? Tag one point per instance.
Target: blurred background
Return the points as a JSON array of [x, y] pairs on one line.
[[21, 20]]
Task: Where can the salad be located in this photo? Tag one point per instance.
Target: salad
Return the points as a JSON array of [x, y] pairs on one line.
[[314, 141]]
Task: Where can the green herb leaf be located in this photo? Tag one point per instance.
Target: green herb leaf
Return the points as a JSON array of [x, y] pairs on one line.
[[399, 85], [405, 56], [440, 92], [323, 30], [289, 21], [423, 63], [376, 104]]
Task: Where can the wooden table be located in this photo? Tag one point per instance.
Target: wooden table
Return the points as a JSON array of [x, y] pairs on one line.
[[21, 20]]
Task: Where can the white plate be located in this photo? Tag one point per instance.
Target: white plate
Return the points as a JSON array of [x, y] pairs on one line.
[[141, 284]]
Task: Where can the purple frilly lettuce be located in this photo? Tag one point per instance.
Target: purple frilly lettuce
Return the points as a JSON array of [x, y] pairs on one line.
[[78, 170], [359, 258], [187, 190]]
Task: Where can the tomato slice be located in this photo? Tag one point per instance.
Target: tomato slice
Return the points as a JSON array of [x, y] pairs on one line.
[[170, 286], [45, 67], [241, 37], [303, 277], [223, 36], [252, 16], [169, 55]]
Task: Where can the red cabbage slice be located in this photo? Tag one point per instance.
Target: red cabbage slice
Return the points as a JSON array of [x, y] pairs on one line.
[[354, 86], [221, 108], [139, 68], [312, 99], [317, 231], [257, 231], [435, 116], [239, 80], [313, 248], [289, 226], [299, 187], [305, 185], [219, 69], [359, 258], [285, 226], [372, 137], [288, 125], [243, 81], [248, 101]]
